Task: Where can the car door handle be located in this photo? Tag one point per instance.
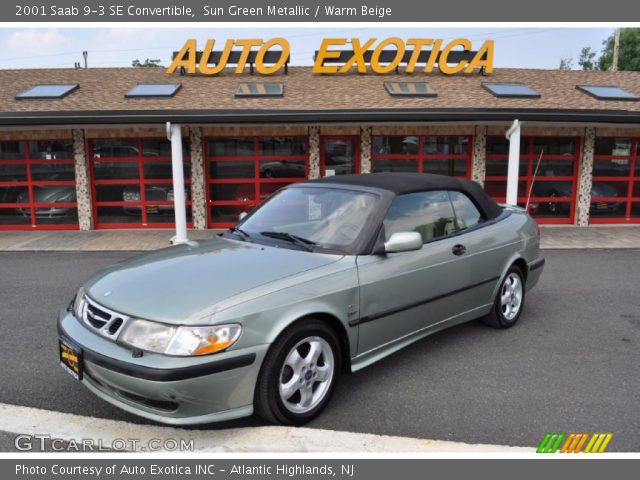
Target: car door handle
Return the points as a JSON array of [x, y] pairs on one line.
[[458, 249]]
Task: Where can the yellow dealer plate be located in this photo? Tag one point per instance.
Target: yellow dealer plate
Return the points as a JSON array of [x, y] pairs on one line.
[[70, 358]]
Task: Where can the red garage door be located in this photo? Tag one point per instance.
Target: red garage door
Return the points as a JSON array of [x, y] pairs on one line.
[[243, 171], [442, 154], [37, 185], [131, 182], [552, 188], [615, 191]]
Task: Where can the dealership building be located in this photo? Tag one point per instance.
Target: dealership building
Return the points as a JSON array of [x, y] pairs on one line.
[[88, 149]]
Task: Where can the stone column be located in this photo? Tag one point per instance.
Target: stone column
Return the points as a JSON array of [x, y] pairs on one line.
[[365, 149], [314, 152], [479, 161], [198, 196], [585, 177], [83, 182]]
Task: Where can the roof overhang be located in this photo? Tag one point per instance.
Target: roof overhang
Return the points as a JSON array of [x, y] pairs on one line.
[[314, 116]]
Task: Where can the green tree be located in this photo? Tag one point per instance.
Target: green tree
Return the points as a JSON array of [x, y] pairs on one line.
[[629, 55], [147, 63], [587, 59], [566, 64]]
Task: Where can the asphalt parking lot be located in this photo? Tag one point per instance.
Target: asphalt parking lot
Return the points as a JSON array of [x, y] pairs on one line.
[[572, 363]]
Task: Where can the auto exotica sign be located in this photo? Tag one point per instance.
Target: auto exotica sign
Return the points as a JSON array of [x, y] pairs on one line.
[[335, 57]]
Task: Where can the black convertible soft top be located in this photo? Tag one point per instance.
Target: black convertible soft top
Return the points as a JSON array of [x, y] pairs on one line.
[[400, 182]]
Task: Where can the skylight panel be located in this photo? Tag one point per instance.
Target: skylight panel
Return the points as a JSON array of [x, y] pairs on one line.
[[410, 89], [262, 89], [604, 92], [153, 90], [47, 91], [511, 90]]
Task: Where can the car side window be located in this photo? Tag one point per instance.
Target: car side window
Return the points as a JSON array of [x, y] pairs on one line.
[[428, 213], [467, 214]]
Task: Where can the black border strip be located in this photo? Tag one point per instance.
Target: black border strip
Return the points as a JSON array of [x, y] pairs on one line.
[[162, 374], [118, 117], [539, 263], [409, 306]]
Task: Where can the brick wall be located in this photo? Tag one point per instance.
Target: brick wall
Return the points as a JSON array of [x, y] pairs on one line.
[[62, 134], [423, 130], [269, 130]]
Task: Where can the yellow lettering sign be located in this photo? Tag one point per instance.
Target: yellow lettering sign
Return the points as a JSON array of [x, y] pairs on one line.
[[387, 55]]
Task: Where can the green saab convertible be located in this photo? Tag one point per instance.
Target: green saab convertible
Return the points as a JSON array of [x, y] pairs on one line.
[[327, 276]]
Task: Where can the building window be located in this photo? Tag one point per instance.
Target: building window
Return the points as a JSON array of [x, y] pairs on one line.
[[615, 191], [243, 171], [37, 185], [547, 175], [132, 182], [442, 154]]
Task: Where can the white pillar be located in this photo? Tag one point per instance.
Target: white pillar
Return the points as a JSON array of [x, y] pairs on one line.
[[175, 135], [513, 135]]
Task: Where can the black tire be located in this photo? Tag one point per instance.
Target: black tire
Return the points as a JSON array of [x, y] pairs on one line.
[[496, 318], [267, 400]]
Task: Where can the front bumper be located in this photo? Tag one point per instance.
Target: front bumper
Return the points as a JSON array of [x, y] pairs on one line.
[[171, 390]]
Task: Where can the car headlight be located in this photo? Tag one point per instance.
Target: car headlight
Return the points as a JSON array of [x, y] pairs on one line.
[[78, 303], [180, 341], [131, 196]]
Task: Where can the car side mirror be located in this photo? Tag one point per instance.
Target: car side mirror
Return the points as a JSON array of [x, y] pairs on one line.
[[403, 242], [242, 215]]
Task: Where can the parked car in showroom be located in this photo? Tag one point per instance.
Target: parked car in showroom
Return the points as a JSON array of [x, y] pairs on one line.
[[564, 189], [153, 193], [326, 276], [48, 194]]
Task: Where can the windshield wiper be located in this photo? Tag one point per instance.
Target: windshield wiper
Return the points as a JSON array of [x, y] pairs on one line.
[[239, 231], [302, 242]]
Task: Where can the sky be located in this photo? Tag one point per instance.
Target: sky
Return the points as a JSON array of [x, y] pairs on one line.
[[117, 47]]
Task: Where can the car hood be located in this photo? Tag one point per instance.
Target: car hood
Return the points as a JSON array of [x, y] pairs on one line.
[[185, 284]]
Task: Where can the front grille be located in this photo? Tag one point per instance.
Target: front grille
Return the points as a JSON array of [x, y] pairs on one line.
[[115, 326], [101, 319]]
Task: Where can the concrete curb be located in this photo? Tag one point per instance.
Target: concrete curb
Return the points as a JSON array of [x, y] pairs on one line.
[[32, 421]]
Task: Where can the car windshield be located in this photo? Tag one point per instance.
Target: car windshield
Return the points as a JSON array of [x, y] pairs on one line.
[[310, 217]]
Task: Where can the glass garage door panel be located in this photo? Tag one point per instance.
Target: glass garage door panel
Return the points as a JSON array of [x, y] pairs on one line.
[[11, 216], [612, 167], [13, 172], [116, 170], [399, 165], [133, 182], [547, 175], [231, 147], [282, 146], [37, 185], [451, 167], [395, 145], [440, 154], [243, 171], [445, 145], [615, 190], [283, 168], [498, 167], [232, 169]]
